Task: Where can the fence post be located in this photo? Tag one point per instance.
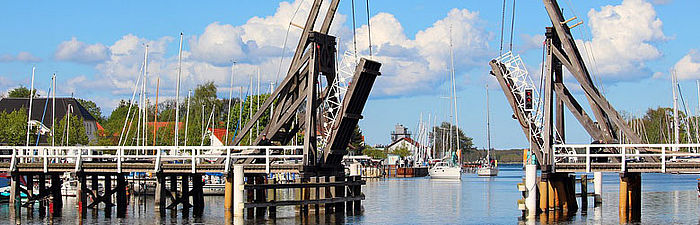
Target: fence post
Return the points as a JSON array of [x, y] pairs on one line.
[[267, 160], [194, 162], [46, 160], [120, 154], [624, 159], [663, 159]]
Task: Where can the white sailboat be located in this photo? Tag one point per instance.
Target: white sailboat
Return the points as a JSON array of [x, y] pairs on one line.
[[447, 169], [488, 168]]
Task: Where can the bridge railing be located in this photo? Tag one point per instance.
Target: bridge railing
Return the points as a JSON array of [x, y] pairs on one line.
[[622, 154], [194, 155]]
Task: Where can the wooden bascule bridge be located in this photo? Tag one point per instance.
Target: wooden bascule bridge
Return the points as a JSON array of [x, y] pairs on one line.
[[616, 147], [312, 101]]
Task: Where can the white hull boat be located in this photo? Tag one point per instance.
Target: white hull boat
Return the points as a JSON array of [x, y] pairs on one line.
[[443, 171], [487, 171]]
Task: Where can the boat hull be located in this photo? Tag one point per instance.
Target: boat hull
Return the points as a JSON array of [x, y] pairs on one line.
[[452, 173], [487, 172]]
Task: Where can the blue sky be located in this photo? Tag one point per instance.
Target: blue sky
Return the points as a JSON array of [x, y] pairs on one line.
[[96, 49]]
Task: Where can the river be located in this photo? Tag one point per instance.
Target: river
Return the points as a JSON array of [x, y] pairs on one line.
[[666, 199]]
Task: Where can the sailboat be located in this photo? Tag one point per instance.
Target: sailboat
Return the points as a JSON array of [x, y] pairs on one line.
[[449, 168], [488, 168]]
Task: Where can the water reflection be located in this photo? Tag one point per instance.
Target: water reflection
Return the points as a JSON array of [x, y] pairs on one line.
[[666, 199]]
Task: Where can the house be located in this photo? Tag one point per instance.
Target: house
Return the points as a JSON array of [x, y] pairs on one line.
[[405, 142], [42, 111]]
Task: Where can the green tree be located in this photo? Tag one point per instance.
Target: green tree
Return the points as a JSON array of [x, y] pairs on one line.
[[92, 108], [21, 92], [441, 137], [357, 140], [374, 153], [401, 152], [14, 128], [75, 135]]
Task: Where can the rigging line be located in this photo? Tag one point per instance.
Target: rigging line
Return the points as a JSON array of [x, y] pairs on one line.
[[369, 31], [503, 18], [512, 25], [284, 46], [46, 103], [354, 39]]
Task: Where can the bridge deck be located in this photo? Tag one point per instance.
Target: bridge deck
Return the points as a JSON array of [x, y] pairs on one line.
[[671, 167], [145, 167]]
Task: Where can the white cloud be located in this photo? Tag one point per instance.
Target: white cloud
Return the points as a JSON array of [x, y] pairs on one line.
[[77, 51], [661, 2], [688, 67], [623, 40], [417, 66], [410, 66], [20, 57]]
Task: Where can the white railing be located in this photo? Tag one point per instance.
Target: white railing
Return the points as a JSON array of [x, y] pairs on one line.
[[158, 154], [586, 153]]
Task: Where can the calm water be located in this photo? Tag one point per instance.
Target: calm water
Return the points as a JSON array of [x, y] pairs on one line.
[[666, 199]]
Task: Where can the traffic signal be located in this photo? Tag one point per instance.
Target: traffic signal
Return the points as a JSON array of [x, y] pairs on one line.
[[528, 99]]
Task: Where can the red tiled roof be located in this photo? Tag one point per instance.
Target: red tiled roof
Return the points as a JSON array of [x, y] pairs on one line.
[[220, 133], [408, 139]]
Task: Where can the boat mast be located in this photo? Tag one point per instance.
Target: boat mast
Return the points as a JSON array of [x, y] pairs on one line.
[[187, 116], [675, 108], [177, 96], [454, 98], [488, 128], [53, 110], [31, 99], [230, 98]]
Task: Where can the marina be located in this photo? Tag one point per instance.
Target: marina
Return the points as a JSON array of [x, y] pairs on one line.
[[306, 148]]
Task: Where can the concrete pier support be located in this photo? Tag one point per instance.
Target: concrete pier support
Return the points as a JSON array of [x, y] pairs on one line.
[[531, 194], [630, 203], [598, 188], [238, 191], [558, 193]]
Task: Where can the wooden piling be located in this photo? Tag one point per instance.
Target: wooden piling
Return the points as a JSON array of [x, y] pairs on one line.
[[228, 193], [122, 201], [108, 196], [159, 201], [56, 196], [82, 196], [42, 192], [185, 190], [584, 192], [197, 195]]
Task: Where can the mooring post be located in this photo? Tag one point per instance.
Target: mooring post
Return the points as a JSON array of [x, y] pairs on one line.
[[42, 192], [108, 197], [159, 201], [185, 189], [228, 193], [624, 198], [260, 196], [197, 195], [30, 194], [95, 188], [314, 193], [82, 196], [329, 193], [598, 188], [544, 191], [173, 190], [584, 192], [340, 193], [238, 190], [14, 189], [357, 192], [56, 196], [271, 197], [531, 186], [121, 195]]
